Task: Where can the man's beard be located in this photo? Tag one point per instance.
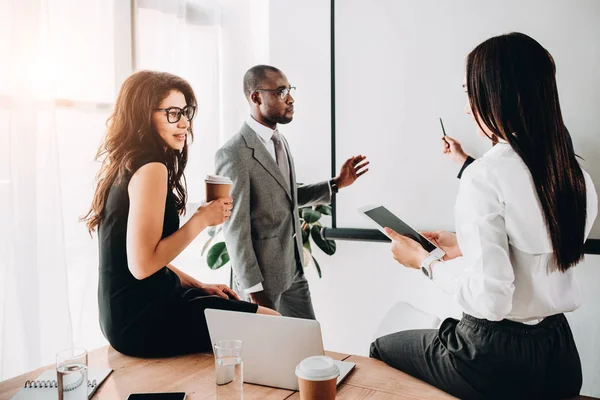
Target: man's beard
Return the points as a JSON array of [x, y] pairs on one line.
[[281, 119]]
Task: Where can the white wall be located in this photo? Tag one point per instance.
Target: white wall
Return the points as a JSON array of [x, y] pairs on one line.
[[245, 30], [244, 38], [400, 65], [299, 46], [361, 281]]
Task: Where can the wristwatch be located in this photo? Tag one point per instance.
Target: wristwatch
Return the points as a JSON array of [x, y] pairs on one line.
[[334, 186], [426, 266]]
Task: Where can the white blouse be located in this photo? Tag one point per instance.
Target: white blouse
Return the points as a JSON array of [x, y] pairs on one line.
[[506, 268]]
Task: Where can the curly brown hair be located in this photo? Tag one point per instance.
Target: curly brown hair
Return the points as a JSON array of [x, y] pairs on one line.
[[130, 136]]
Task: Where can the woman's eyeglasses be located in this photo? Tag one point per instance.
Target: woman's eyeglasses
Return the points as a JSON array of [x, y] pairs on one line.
[[174, 113]]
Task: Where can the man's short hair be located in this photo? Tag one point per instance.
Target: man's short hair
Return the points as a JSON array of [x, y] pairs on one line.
[[255, 76]]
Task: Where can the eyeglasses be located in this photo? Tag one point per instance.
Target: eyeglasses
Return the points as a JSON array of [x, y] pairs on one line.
[[174, 113], [283, 93]]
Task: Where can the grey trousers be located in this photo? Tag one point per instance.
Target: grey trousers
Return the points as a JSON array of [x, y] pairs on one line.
[[480, 359], [296, 302]]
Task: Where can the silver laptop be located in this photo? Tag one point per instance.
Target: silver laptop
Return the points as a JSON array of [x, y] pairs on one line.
[[271, 346]]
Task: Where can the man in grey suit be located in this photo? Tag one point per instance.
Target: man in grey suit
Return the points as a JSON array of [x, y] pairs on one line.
[[263, 233]]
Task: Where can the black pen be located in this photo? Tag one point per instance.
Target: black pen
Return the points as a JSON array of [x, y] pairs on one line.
[[444, 132], [441, 123]]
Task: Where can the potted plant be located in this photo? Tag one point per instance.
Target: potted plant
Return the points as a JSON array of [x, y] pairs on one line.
[[310, 227]]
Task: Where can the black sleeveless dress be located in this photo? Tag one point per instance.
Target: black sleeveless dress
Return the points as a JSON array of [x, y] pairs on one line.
[[155, 316]]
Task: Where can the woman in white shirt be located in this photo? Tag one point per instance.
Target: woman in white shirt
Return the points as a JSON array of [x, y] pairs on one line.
[[522, 215]]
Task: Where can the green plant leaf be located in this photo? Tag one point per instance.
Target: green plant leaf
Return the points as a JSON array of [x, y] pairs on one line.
[[311, 216], [212, 232], [305, 235], [307, 246], [325, 210], [317, 266], [217, 256], [328, 246], [301, 211]]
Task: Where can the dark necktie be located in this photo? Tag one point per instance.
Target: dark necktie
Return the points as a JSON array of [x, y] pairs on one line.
[[280, 154]]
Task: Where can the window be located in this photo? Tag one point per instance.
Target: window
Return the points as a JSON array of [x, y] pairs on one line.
[[57, 88]]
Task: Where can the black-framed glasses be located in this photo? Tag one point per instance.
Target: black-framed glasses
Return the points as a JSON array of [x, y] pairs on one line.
[[174, 113], [283, 93]]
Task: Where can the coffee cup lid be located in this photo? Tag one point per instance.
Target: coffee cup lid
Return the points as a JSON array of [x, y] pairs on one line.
[[218, 179], [317, 368]]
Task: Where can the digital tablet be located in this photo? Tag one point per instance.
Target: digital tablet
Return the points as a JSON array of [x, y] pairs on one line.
[[385, 218], [157, 396]]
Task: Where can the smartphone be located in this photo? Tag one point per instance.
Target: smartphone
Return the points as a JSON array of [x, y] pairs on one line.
[[385, 218], [157, 396]]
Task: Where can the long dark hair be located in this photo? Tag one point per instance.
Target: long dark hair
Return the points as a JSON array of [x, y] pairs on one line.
[[512, 91], [130, 137]]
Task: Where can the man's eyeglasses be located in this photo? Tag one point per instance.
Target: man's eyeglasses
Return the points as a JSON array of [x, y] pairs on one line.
[[283, 93], [174, 113]]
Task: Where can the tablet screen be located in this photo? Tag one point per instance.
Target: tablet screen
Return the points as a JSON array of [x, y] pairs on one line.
[[384, 218]]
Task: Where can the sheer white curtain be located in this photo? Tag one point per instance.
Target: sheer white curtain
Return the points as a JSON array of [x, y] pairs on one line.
[[62, 63], [210, 43], [185, 38], [56, 79]]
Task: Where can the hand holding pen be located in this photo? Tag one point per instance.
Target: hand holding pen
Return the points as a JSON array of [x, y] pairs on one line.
[[452, 147]]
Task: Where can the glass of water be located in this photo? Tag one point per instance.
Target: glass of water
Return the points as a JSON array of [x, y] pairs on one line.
[[72, 374], [229, 370]]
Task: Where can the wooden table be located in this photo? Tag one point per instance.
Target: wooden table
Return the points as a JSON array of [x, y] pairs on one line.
[[195, 375]]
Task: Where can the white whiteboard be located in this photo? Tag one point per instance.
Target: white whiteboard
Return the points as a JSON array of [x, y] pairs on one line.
[[400, 65]]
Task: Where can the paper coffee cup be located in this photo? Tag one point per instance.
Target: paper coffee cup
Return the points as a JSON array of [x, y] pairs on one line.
[[217, 186], [317, 378]]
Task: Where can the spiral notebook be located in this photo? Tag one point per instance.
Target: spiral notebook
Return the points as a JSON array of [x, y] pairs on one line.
[[45, 387]]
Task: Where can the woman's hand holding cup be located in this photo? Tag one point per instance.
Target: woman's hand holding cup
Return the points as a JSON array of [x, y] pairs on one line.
[[215, 212]]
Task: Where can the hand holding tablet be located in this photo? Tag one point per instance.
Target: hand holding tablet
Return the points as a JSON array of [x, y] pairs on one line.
[[418, 253], [385, 218]]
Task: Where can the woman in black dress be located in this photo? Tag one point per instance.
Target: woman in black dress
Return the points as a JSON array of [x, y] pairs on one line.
[[148, 308]]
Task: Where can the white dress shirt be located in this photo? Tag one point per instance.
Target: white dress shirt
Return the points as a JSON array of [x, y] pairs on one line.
[[506, 269], [265, 134]]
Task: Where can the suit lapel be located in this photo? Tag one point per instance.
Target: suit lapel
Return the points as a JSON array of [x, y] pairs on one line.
[[261, 155]]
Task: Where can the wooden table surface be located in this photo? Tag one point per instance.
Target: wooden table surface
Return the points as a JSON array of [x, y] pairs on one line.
[[195, 375]]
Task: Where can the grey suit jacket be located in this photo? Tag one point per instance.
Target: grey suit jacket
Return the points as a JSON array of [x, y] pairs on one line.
[[264, 225]]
